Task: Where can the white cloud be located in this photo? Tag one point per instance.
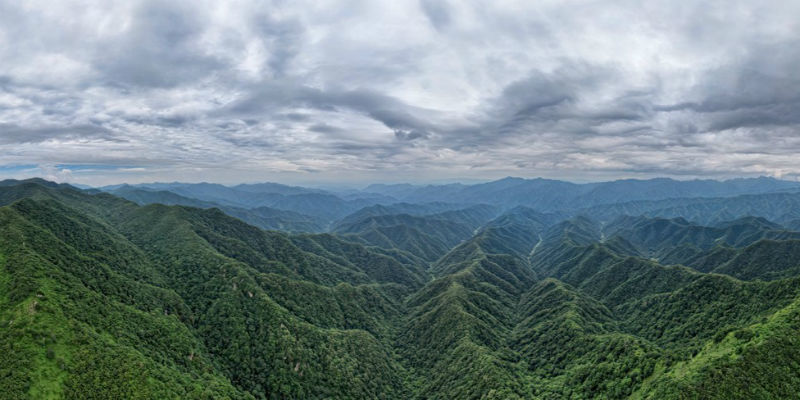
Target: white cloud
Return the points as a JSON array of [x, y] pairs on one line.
[[349, 90]]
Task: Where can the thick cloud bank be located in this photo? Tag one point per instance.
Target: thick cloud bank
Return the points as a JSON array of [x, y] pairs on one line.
[[408, 90]]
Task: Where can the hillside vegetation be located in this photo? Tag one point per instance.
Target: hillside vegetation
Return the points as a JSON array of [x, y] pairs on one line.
[[104, 298]]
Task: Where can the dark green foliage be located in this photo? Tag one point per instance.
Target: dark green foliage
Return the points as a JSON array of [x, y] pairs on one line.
[[756, 362], [381, 265], [82, 330], [567, 336], [765, 260], [674, 240], [97, 283], [426, 237], [686, 318]]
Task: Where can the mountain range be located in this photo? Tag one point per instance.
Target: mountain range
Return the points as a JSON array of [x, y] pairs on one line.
[[512, 289]]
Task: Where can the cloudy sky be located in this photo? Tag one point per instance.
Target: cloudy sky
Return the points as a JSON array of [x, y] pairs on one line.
[[354, 91]]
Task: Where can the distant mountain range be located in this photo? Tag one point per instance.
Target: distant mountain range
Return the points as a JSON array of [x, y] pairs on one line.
[[551, 195], [660, 196]]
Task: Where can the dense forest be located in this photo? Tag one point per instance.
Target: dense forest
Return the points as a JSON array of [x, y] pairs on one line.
[[452, 292]]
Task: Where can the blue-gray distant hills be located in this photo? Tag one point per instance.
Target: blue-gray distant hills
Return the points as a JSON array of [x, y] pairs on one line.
[[546, 194], [661, 197]]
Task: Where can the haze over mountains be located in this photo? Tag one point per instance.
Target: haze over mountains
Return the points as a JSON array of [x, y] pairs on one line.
[[517, 288], [653, 197]]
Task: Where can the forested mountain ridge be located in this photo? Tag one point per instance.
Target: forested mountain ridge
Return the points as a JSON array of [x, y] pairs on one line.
[[212, 316], [782, 208], [262, 217], [101, 297], [675, 240]]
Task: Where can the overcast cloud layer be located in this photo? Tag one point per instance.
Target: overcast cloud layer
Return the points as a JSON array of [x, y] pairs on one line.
[[294, 91]]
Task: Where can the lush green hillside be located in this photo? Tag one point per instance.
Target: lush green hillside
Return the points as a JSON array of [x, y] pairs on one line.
[[676, 240], [172, 302], [758, 361], [101, 297], [764, 260], [79, 325], [426, 237], [423, 234]]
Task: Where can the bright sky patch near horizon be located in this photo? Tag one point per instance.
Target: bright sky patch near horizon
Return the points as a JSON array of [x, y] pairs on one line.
[[103, 92]]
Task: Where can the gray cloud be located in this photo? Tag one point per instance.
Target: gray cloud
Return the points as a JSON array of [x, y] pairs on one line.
[[757, 89], [162, 47], [15, 134], [438, 12], [283, 39], [324, 128], [421, 89], [389, 111], [411, 135]]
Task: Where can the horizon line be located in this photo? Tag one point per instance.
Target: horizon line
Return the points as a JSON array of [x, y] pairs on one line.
[[364, 185]]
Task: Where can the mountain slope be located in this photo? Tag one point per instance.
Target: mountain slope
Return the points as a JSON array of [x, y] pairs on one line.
[[262, 217], [676, 240], [75, 327], [425, 237], [756, 361], [275, 353]]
